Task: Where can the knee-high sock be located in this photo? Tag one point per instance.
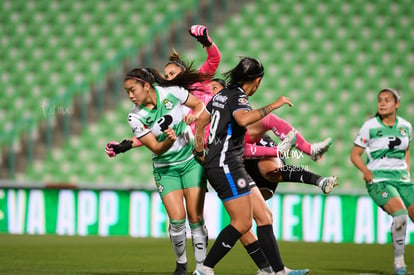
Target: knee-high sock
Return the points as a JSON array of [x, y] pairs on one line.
[[199, 237], [292, 173], [178, 238], [224, 242], [281, 128], [256, 253], [398, 232], [269, 246]]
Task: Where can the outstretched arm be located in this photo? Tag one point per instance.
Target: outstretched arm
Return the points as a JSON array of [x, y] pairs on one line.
[[212, 62], [246, 117]]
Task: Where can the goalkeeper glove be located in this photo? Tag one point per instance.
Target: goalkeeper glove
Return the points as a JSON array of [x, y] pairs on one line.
[[200, 32], [113, 148]]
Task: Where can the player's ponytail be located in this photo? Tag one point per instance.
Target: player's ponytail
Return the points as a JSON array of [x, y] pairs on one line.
[[185, 79], [247, 70]]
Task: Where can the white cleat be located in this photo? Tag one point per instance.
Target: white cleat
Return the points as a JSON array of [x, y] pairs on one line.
[[288, 271], [328, 184], [203, 270], [263, 272], [318, 149], [287, 143], [400, 268]]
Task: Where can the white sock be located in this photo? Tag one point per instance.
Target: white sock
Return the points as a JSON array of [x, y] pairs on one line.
[[178, 240], [199, 236], [398, 232]]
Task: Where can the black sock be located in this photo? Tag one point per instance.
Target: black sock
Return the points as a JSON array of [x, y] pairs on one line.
[[269, 246], [224, 242], [291, 173], [256, 253]]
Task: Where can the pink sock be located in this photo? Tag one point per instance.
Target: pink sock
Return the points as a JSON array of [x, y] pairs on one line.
[[281, 128], [257, 151]]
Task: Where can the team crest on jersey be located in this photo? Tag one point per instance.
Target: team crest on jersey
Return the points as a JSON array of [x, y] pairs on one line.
[[168, 104], [243, 101], [241, 183], [403, 132], [160, 187], [384, 194]]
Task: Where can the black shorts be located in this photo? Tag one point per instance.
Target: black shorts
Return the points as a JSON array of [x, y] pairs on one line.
[[230, 183], [252, 168]]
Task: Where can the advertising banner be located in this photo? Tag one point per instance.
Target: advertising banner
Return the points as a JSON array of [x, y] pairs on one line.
[[297, 217]]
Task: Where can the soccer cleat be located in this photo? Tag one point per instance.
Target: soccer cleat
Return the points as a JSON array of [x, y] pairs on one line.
[[289, 271], [264, 272], [318, 149], [328, 184], [203, 270], [288, 142], [299, 272], [400, 267], [180, 269]]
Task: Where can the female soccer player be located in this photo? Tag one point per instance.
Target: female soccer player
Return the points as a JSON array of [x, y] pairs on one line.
[[175, 67], [229, 113], [160, 121], [265, 164], [385, 139]]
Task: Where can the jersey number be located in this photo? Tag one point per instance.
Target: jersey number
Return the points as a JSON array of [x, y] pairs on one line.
[[215, 118]]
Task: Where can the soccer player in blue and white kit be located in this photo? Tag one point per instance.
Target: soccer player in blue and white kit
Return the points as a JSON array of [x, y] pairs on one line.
[[385, 139], [229, 113]]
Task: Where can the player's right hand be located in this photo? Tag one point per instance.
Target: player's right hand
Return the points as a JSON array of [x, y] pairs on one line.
[[109, 148], [113, 148], [281, 101], [200, 32]]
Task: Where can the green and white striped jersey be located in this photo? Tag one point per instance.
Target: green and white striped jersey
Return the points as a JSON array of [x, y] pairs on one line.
[[168, 112], [385, 148]]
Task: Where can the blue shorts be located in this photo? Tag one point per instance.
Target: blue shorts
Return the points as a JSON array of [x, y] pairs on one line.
[[229, 182]]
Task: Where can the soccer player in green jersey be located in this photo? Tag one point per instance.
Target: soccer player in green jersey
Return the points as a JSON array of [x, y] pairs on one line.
[[160, 121], [385, 139]]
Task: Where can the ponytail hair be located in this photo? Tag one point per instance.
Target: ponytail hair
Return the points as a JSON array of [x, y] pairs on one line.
[[247, 70], [175, 59], [185, 79]]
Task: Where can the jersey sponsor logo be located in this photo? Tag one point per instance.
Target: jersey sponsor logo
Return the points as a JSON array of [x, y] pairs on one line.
[[241, 183], [226, 245], [220, 98], [164, 122]]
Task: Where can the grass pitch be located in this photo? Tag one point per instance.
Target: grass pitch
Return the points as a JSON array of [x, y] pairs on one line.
[[24, 254]]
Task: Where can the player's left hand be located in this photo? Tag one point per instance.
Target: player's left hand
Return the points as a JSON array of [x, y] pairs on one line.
[[200, 32]]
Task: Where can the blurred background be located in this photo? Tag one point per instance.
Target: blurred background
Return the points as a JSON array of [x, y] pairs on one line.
[[62, 65]]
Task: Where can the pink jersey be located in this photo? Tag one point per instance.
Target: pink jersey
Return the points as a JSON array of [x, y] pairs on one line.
[[202, 89]]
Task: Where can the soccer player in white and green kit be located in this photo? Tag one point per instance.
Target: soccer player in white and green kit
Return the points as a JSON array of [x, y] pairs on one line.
[[385, 139], [160, 121]]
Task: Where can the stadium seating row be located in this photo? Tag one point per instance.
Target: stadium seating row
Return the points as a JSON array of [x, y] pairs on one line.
[[331, 58]]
